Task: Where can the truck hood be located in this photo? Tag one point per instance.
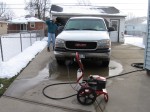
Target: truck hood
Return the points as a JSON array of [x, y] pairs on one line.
[[83, 35]]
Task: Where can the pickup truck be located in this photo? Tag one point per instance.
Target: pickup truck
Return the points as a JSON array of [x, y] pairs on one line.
[[87, 35]]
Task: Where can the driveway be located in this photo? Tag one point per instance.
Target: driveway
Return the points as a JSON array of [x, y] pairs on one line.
[[128, 93]]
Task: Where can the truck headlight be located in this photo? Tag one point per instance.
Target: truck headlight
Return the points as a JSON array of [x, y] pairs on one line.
[[106, 43], [59, 43]]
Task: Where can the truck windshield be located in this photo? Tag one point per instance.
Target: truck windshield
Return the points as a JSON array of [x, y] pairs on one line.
[[85, 24]]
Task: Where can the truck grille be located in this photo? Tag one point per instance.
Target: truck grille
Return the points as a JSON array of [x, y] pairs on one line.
[[76, 45]]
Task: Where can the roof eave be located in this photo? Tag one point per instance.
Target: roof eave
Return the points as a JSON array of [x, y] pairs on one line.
[[82, 14]]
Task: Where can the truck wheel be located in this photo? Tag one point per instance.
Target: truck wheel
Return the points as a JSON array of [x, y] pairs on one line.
[[105, 63]]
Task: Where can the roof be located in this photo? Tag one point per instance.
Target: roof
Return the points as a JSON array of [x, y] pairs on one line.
[[86, 10], [3, 22], [24, 20]]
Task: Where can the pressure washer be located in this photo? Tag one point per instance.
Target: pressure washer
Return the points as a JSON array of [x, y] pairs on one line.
[[91, 88]]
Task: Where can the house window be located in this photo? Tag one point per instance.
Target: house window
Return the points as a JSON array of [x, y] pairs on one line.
[[115, 24], [32, 25], [23, 27]]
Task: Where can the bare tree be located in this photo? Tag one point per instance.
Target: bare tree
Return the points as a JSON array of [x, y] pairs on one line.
[[2, 8], [9, 14], [5, 12], [84, 2], [38, 7]]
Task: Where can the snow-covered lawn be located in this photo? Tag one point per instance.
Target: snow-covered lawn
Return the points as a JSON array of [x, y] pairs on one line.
[[133, 40], [14, 65], [12, 43]]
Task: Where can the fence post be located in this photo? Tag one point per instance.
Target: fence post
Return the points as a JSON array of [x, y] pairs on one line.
[[30, 39], [1, 49], [21, 42], [36, 34], [43, 33]]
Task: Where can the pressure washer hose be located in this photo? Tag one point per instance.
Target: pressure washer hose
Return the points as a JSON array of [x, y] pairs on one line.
[[137, 65]]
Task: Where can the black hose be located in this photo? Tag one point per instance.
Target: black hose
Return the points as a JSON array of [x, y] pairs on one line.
[[43, 91], [109, 77], [137, 65]]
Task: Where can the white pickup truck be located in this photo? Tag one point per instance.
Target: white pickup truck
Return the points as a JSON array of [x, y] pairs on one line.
[[87, 35]]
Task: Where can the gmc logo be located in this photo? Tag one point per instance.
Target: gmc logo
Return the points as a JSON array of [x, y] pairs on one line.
[[80, 45]]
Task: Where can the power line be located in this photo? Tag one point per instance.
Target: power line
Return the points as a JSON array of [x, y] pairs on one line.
[[83, 4]]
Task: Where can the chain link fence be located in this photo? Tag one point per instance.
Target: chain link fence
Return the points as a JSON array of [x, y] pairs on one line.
[[15, 42]]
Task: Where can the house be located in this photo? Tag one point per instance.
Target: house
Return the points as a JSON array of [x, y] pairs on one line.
[[25, 24], [113, 17], [147, 46], [136, 26], [3, 27]]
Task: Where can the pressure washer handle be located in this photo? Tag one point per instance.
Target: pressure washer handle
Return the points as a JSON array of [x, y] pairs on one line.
[[78, 59]]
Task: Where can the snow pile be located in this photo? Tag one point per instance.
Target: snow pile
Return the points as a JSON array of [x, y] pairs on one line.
[[13, 66]]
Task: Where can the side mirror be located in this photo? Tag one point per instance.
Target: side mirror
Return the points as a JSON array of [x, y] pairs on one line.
[[110, 29]]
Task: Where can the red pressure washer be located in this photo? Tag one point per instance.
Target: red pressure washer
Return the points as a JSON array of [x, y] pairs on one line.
[[90, 89]]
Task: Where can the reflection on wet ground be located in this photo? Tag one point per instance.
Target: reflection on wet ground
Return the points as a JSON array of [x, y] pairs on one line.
[[61, 73], [90, 68], [115, 68]]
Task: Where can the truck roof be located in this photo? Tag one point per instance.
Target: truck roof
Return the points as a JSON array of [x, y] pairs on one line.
[[86, 17]]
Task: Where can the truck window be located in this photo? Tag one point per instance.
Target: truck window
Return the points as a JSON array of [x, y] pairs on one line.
[[86, 24]]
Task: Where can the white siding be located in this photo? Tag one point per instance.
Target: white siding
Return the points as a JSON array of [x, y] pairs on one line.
[[3, 28], [121, 30], [147, 48]]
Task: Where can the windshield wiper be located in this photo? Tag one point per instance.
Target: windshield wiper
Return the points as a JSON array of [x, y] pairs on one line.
[[72, 29]]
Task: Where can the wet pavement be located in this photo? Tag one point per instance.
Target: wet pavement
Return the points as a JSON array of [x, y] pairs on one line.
[[125, 92]]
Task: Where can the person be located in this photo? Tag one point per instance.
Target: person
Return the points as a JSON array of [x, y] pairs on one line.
[[52, 27]]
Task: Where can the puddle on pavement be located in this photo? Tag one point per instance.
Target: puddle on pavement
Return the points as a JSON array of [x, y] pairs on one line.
[[60, 72], [115, 68], [91, 68]]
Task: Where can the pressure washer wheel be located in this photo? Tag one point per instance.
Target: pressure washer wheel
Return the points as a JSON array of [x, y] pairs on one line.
[[86, 96]]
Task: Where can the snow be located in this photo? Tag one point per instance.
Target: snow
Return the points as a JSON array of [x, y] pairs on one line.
[[11, 44], [134, 40], [88, 10], [25, 20], [14, 65]]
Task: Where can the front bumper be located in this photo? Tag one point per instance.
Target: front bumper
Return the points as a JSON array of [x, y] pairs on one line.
[[86, 55]]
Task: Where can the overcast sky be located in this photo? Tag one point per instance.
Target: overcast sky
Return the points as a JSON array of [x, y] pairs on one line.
[[130, 7]]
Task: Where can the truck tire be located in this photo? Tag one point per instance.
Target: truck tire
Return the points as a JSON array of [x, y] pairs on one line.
[[60, 62], [105, 63]]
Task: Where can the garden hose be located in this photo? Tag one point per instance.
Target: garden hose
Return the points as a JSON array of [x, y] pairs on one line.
[[136, 65]]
